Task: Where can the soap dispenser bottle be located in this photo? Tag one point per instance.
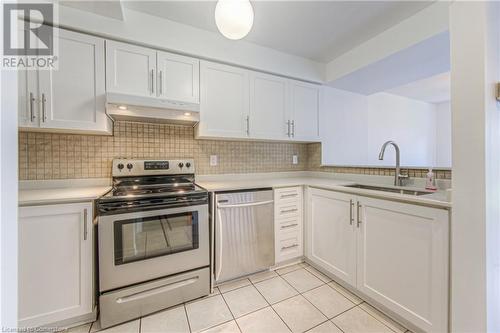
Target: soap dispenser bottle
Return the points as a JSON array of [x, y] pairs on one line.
[[430, 181]]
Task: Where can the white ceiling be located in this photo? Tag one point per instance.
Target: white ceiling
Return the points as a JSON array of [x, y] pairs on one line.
[[317, 30], [435, 89]]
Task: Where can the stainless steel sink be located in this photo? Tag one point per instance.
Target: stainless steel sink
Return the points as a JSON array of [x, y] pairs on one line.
[[390, 189]]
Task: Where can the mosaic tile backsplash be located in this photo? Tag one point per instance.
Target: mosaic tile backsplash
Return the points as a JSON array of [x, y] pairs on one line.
[[45, 156], [62, 156]]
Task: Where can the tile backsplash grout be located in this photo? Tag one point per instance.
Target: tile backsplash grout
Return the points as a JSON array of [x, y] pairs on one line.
[[44, 156]]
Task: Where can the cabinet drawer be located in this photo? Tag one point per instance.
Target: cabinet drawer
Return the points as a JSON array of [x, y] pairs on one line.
[[288, 210], [289, 246], [288, 225], [288, 194], [138, 300]]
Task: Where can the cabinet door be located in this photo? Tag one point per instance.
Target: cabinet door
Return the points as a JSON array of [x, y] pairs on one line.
[[224, 101], [72, 96], [28, 98], [178, 78], [268, 106], [130, 69], [305, 99], [55, 263], [331, 237], [403, 260]]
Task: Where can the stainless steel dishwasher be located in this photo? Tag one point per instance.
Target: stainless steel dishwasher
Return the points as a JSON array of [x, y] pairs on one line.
[[244, 233]]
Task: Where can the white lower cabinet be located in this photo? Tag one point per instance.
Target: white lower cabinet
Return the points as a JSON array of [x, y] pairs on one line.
[[331, 233], [55, 264], [394, 253], [288, 226]]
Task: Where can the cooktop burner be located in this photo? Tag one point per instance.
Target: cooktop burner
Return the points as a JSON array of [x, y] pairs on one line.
[[143, 180]]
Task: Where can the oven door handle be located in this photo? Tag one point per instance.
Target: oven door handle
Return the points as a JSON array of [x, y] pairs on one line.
[[250, 204], [157, 290]]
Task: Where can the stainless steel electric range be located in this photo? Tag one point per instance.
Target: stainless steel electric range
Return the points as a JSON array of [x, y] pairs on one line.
[[153, 230]]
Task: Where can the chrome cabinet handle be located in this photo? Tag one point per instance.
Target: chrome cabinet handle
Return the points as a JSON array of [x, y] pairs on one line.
[[248, 125], [293, 128], [32, 113], [289, 247], [44, 114], [288, 128], [85, 224], [152, 81], [289, 226], [161, 82], [357, 214], [289, 210], [351, 218]]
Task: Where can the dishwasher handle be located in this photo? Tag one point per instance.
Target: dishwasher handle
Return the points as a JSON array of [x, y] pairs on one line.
[[249, 204]]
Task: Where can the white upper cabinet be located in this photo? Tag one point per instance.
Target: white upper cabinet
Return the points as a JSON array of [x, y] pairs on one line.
[[304, 110], [239, 103], [269, 102], [224, 101], [130, 69], [331, 233], [72, 96], [178, 78], [55, 264], [143, 72]]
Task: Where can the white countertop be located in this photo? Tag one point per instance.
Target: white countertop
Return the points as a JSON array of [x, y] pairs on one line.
[[438, 199], [79, 190], [61, 191]]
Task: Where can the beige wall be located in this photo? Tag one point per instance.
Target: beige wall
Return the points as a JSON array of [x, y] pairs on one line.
[[63, 156]]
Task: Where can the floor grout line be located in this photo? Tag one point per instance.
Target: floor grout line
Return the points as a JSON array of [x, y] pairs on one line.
[[187, 317], [381, 321], [337, 326], [270, 305]]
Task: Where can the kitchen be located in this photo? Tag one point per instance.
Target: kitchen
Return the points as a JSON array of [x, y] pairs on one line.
[[252, 183]]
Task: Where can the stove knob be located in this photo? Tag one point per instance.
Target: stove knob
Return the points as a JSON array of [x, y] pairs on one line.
[[181, 165], [130, 166], [120, 166], [188, 165]]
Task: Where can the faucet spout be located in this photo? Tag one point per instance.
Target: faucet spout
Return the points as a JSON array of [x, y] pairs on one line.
[[397, 177]]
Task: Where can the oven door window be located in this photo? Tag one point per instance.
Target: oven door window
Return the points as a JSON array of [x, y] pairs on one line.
[[149, 237]]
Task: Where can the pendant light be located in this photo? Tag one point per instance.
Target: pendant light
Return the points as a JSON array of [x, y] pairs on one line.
[[234, 18]]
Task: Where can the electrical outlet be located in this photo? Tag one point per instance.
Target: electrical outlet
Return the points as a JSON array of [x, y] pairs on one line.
[[213, 160], [295, 159]]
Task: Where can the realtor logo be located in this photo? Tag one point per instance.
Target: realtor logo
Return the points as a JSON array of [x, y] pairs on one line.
[[28, 36]]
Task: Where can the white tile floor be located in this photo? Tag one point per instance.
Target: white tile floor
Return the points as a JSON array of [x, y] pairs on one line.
[[296, 298]]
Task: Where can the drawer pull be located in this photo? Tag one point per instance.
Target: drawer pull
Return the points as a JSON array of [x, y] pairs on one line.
[[289, 226], [289, 210], [289, 247], [157, 290], [284, 196]]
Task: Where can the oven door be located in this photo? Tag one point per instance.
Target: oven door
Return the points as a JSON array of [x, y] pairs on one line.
[[140, 246]]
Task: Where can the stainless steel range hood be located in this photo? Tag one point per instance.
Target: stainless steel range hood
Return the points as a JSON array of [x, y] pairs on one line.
[[151, 110]]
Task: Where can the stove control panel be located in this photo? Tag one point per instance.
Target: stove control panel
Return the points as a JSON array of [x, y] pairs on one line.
[[126, 168], [156, 165]]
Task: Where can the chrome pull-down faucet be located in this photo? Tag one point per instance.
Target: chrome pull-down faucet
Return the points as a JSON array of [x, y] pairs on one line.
[[398, 177]]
